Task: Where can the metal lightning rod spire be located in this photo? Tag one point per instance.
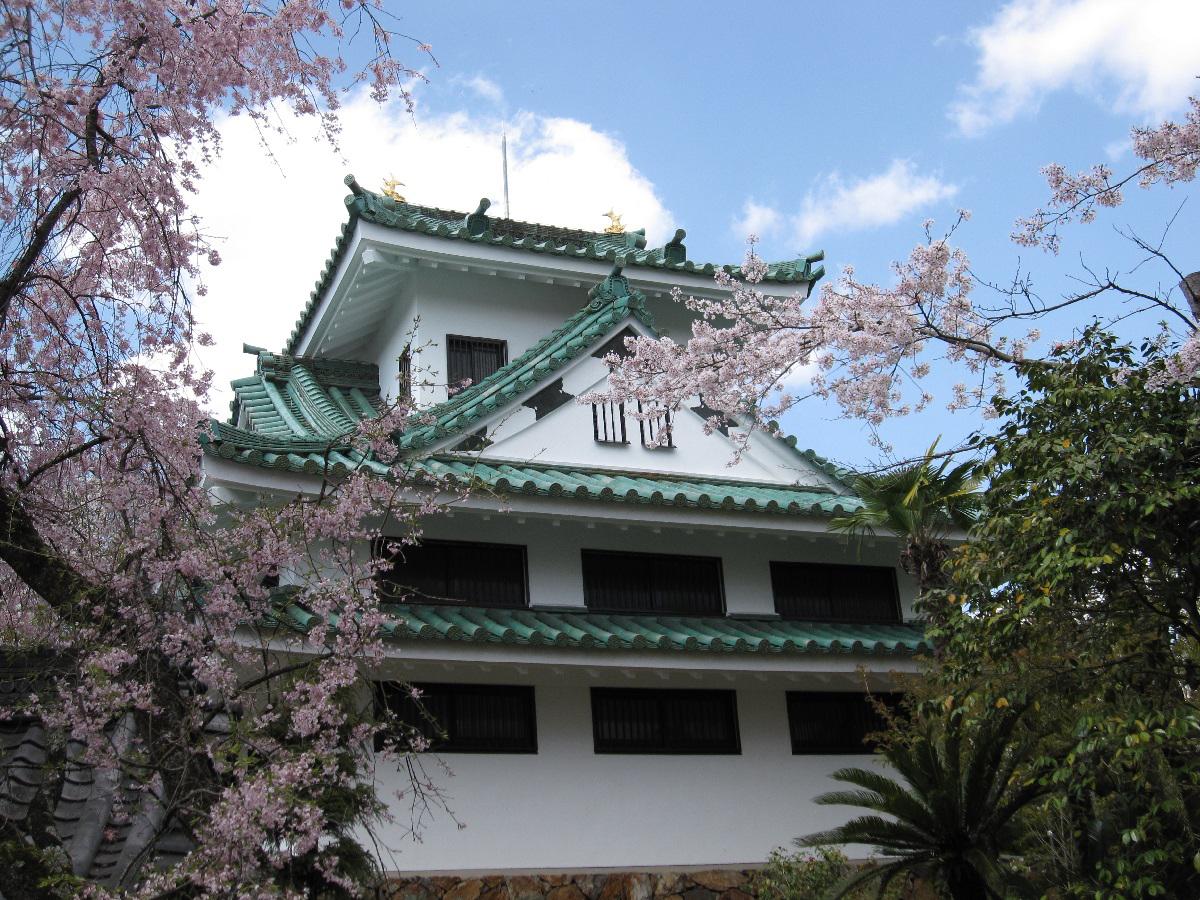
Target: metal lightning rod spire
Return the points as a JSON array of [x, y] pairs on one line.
[[504, 155]]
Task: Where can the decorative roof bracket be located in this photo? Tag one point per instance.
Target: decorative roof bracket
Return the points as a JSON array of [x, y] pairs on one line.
[[478, 224], [675, 252]]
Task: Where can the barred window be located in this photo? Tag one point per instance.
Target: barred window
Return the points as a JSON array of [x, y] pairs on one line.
[[833, 721], [820, 592], [652, 583], [640, 720], [608, 423], [473, 357], [463, 718], [404, 375], [653, 427], [473, 573]]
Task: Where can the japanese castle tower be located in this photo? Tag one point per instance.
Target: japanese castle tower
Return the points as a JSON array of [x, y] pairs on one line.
[[640, 656]]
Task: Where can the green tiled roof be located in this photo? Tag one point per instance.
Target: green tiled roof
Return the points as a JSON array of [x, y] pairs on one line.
[[640, 487], [291, 398], [612, 301], [506, 479], [589, 630], [295, 414], [628, 249]]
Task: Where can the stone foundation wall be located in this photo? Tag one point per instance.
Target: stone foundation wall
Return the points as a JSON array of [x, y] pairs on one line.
[[715, 884]]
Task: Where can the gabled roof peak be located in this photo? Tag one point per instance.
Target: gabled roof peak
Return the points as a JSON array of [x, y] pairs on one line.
[[612, 300], [615, 287], [628, 248]]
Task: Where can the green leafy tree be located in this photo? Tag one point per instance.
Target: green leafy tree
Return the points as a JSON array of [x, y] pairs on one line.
[[921, 503], [1078, 592], [952, 816]]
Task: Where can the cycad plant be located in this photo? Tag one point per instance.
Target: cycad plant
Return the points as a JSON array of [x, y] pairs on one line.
[[952, 815], [919, 503]]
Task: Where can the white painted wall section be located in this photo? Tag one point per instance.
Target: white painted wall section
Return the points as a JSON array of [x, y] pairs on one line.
[[568, 807], [554, 553]]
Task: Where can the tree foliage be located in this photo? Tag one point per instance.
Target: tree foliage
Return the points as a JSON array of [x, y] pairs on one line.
[[873, 345], [952, 815], [1079, 592], [920, 503], [128, 580]]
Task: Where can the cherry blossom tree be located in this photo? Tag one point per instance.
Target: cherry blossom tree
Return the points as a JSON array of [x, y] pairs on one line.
[[872, 345], [130, 592]]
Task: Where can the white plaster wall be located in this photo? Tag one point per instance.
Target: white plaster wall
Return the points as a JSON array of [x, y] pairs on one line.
[[519, 312], [568, 807], [389, 342], [555, 568], [567, 436]]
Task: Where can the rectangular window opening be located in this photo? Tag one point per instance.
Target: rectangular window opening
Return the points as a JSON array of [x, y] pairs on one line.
[[823, 592], [622, 582], [608, 423], [473, 358], [653, 428], [835, 721], [404, 375], [461, 718], [642, 720], [476, 574]]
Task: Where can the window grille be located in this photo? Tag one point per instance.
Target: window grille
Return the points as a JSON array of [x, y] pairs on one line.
[[652, 583], [641, 720], [820, 592], [835, 722], [462, 718], [653, 427], [608, 423], [473, 357], [471, 573], [404, 382]]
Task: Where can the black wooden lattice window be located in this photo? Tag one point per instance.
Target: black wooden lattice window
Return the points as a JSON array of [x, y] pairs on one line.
[[652, 583], [653, 427], [821, 592], [641, 720], [834, 722], [473, 357], [472, 573], [608, 423], [464, 718], [404, 375]]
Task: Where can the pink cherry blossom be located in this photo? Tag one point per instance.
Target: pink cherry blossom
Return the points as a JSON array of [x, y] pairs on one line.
[[138, 583]]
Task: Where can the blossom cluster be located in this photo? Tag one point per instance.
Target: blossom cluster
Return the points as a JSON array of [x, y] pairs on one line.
[[866, 343], [144, 591]]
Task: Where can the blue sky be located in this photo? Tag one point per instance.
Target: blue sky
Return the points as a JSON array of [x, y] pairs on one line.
[[839, 126]]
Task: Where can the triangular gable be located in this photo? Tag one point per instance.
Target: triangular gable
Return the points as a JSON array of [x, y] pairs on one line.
[[529, 411], [294, 410], [571, 435], [614, 303]]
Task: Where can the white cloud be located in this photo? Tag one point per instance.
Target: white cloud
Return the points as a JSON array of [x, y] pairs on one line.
[[836, 205], [1114, 150], [484, 87], [274, 220], [797, 380], [758, 220], [1136, 56], [884, 199]]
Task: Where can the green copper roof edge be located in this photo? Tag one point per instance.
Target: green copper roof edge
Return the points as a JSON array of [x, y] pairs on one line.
[[700, 635], [756, 497], [323, 280], [576, 336], [838, 474], [367, 206]]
